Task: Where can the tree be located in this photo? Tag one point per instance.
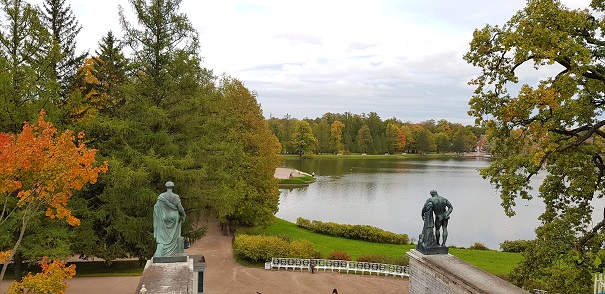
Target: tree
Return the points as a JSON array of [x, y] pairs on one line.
[[303, 141], [551, 126], [364, 139], [336, 136], [164, 34], [322, 133], [425, 142], [101, 78], [394, 136], [59, 20], [243, 160], [23, 43], [442, 142], [38, 172]]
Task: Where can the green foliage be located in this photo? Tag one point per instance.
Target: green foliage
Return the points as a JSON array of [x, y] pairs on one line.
[[303, 141], [357, 232], [515, 245], [260, 248], [339, 255], [554, 125]]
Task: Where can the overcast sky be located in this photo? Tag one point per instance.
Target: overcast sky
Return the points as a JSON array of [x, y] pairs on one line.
[[398, 58]]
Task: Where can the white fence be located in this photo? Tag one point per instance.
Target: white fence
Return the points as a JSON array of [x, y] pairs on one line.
[[342, 266]]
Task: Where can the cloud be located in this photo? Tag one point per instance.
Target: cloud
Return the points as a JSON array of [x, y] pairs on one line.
[[398, 58]]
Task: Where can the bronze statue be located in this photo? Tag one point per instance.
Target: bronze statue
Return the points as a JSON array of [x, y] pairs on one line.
[[436, 214], [168, 214]]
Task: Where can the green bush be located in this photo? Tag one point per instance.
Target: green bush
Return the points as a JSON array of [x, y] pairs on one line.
[[478, 246], [339, 255], [302, 249], [515, 245], [356, 232], [260, 248], [378, 258]]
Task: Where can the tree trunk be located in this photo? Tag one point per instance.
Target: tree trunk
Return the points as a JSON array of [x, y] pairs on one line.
[[18, 266]]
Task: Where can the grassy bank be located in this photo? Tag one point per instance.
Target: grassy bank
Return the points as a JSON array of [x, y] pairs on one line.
[[495, 262]]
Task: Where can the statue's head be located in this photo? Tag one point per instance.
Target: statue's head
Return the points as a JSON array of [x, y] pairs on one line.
[[433, 192], [169, 185]]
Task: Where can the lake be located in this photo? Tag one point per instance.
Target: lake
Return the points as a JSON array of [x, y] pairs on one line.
[[390, 193]]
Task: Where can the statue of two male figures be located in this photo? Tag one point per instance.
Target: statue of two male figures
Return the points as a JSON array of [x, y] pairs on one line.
[[436, 214]]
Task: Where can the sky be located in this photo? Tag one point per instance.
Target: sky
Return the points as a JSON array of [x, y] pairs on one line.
[[399, 58]]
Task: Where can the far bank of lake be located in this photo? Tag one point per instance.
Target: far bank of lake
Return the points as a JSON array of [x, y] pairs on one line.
[[389, 193]]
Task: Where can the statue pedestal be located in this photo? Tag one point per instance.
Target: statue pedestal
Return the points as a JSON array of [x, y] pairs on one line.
[[432, 250], [173, 274]]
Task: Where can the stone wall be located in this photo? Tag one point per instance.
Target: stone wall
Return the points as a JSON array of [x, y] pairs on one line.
[[445, 273]]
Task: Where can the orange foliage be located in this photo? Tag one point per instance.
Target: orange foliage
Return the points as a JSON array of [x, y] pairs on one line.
[[50, 280], [43, 169], [4, 255]]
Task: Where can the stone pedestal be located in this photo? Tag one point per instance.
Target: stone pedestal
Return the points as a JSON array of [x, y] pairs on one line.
[[167, 275], [445, 273]]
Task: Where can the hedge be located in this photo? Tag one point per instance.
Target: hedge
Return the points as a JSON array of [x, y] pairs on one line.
[[261, 248], [356, 232]]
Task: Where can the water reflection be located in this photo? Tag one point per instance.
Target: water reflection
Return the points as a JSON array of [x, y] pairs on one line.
[[389, 194]]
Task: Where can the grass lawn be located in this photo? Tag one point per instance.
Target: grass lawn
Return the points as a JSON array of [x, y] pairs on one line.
[[495, 262]]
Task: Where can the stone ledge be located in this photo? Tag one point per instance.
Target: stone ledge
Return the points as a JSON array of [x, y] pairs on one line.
[[446, 270]]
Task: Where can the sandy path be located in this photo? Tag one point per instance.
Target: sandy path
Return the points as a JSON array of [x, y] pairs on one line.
[[223, 275]]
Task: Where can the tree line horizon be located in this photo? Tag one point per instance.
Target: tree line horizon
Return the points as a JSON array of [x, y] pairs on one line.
[[346, 133]]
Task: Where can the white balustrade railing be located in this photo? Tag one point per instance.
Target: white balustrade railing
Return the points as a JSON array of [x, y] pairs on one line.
[[339, 266]]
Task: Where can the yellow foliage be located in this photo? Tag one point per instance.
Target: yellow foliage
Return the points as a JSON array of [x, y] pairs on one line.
[[4, 255], [50, 280]]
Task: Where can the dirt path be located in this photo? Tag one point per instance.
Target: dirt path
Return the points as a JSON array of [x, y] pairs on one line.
[[223, 275]]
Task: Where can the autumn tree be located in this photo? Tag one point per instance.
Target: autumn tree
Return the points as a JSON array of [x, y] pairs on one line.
[[39, 170], [336, 136], [394, 136], [559, 117], [303, 141], [364, 139]]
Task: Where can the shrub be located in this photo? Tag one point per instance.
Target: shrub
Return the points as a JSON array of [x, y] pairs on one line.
[[339, 255], [478, 246], [515, 245], [356, 232], [302, 249], [259, 248]]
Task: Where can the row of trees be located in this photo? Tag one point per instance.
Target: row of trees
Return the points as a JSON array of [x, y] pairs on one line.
[[155, 115], [368, 133]]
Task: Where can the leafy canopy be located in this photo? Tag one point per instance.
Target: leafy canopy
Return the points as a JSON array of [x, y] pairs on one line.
[[551, 125]]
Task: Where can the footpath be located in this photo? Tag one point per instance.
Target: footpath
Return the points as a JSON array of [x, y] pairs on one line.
[[224, 275]]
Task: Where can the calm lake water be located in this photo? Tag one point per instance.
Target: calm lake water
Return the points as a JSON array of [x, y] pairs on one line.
[[389, 194]]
